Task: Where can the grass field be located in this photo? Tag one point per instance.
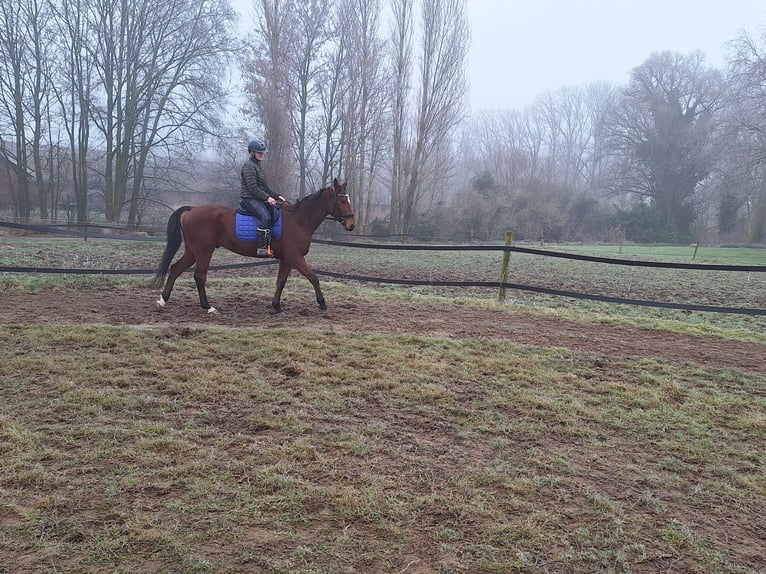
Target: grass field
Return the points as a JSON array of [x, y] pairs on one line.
[[278, 449]]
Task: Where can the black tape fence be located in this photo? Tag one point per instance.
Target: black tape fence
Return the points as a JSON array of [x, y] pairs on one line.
[[431, 283], [76, 230]]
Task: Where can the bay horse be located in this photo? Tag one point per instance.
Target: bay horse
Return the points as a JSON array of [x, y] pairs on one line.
[[204, 228]]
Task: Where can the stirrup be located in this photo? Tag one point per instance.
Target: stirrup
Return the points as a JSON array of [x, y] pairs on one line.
[[264, 249], [265, 234]]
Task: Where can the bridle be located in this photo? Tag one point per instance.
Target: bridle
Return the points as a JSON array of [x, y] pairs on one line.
[[343, 216]]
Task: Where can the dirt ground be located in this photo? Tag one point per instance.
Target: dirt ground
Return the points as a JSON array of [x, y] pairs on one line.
[[363, 314], [137, 307]]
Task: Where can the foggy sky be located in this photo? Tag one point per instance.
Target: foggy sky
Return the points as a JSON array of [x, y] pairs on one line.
[[524, 48]]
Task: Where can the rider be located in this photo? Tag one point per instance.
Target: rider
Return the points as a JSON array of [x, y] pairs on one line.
[[256, 197]]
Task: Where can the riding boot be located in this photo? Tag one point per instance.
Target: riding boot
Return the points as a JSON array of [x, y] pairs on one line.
[[264, 243]]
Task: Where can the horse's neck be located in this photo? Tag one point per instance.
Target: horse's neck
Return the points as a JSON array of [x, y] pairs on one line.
[[307, 217]]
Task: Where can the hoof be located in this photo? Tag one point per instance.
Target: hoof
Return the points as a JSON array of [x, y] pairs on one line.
[[213, 311], [160, 303]]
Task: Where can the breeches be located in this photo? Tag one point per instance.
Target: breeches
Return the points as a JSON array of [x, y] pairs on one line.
[[260, 209]]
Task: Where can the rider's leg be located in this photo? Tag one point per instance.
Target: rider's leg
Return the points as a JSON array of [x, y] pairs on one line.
[[262, 215]]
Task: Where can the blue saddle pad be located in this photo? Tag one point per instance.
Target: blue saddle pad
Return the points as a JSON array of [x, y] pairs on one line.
[[247, 227], [276, 231]]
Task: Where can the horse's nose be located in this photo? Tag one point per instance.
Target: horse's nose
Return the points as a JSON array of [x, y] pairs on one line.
[[350, 226]]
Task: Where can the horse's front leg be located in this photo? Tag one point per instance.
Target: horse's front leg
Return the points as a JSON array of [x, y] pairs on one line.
[[309, 274], [282, 275]]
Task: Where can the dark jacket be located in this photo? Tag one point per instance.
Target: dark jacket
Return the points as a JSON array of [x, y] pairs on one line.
[[254, 184]]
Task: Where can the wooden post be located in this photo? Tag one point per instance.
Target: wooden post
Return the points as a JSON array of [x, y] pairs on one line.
[[506, 266], [696, 246]]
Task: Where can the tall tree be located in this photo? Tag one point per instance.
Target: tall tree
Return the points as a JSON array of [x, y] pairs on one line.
[[74, 93], [574, 118], [266, 66], [440, 101], [38, 32], [366, 103], [662, 127], [23, 87], [402, 46], [747, 144], [160, 64], [334, 88], [299, 29], [311, 21]]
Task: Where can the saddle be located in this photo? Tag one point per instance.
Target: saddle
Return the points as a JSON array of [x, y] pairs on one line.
[[247, 226]]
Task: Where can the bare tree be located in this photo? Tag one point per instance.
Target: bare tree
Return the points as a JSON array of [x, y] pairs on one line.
[[402, 46], [599, 98], [574, 118], [160, 65], [11, 95], [496, 147], [266, 67], [24, 78], [285, 75], [366, 103], [441, 92], [37, 16], [747, 137], [74, 92], [538, 171], [311, 26], [333, 89]]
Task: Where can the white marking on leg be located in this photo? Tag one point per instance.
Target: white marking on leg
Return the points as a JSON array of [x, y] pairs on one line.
[[212, 311], [161, 302]]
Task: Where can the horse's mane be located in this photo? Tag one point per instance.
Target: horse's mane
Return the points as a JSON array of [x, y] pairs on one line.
[[309, 198]]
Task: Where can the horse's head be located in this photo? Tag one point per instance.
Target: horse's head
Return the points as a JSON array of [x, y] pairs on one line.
[[342, 210]]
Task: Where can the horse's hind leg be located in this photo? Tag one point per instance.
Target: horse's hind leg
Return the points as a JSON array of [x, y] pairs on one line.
[[186, 261], [282, 275], [200, 278]]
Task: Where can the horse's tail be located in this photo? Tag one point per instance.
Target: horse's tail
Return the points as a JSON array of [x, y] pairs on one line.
[[175, 237]]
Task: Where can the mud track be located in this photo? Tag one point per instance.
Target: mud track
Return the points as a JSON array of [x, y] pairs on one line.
[[457, 321]]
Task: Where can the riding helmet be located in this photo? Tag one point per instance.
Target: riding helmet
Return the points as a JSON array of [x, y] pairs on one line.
[[256, 145]]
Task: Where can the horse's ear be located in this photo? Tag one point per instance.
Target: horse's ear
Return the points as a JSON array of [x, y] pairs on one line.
[[335, 183]]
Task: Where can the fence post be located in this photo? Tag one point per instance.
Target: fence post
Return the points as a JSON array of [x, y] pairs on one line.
[[506, 266]]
